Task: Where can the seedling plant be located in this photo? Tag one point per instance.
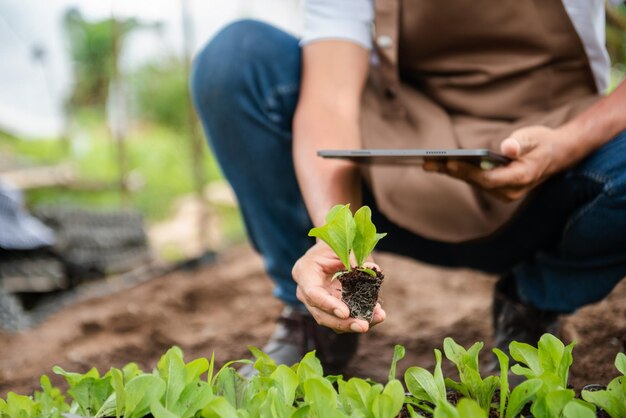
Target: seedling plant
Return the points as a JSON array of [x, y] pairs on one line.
[[347, 236]]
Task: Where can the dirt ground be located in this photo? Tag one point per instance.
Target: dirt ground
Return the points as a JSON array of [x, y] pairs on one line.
[[227, 306]]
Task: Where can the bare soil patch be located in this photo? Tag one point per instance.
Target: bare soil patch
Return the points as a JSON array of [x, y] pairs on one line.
[[227, 306]]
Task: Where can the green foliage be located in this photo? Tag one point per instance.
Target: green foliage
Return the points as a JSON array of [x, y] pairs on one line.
[[51, 401], [346, 234], [89, 390], [613, 398], [363, 398], [503, 360], [161, 93], [151, 148], [47, 403], [616, 34], [398, 354], [18, 406], [466, 408], [427, 390], [94, 47], [338, 232], [472, 385], [549, 362], [178, 389], [521, 395], [366, 237]]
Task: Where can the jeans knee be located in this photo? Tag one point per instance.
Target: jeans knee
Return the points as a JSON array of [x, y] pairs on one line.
[[222, 69], [606, 165]]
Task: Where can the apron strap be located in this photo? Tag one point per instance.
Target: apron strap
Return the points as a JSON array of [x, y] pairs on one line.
[[384, 72]]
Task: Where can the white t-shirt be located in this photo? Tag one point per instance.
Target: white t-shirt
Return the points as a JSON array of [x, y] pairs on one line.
[[352, 20]]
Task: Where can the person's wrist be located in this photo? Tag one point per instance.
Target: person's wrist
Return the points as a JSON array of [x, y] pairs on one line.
[[569, 147]]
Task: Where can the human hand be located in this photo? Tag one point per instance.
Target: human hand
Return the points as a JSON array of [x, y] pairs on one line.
[[322, 296], [537, 153]]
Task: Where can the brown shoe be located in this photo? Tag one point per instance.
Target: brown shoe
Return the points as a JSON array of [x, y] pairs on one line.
[[297, 333]]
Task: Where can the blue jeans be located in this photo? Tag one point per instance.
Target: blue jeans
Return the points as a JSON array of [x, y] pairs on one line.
[[564, 249]]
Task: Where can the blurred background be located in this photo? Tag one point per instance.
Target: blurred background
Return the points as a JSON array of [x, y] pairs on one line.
[[104, 169], [94, 110], [106, 181]]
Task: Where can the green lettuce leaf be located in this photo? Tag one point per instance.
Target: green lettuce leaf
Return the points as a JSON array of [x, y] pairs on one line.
[[503, 360], [141, 392], [366, 237], [521, 395], [171, 368], [286, 380], [469, 408], [578, 409], [425, 386], [338, 232], [398, 354]]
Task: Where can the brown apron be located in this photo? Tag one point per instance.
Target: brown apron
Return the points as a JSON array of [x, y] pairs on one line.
[[464, 74]]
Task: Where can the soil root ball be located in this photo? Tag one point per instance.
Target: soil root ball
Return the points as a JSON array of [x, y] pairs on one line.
[[359, 291]]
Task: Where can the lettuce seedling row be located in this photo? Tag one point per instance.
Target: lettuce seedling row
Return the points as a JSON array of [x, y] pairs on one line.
[[176, 388]]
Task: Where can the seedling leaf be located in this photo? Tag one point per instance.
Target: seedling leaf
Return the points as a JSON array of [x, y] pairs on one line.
[[171, 368], [391, 399], [366, 237], [287, 382], [338, 232], [141, 391], [117, 381], [620, 363], [612, 400], [468, 408], [445, 409], [159, 411], [578, 409], [521, 395], [195, 368], [552, 404], [527, 354], [219, 408], [503, 359], [309, 367], [398, 354], [194, 397], [321, 396], [368, 271]]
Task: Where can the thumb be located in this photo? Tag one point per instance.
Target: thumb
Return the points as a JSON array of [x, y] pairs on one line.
[[515, 147]]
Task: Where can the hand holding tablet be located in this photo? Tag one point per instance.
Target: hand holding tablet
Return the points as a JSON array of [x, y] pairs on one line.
[[483, 158]]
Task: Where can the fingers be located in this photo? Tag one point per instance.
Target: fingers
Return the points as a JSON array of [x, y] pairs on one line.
[[513, 177], [338, 324], [332, 313], [511, 147], [518, 145], [319, 298], [379, 315]]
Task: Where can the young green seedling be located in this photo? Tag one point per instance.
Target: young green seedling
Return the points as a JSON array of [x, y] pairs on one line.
[[613, 398], [354, 235], [346, 234]]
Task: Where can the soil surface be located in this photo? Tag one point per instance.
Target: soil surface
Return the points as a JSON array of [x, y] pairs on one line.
[[226, 306]]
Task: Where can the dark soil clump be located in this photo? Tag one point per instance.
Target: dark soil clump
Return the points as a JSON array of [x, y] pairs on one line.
[[359, 291]]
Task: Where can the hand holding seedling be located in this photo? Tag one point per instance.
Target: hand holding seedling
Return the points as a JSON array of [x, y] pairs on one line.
[[538, 153], [315, 271]]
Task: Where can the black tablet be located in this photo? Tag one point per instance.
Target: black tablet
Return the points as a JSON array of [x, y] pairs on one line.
[[483, 158]]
